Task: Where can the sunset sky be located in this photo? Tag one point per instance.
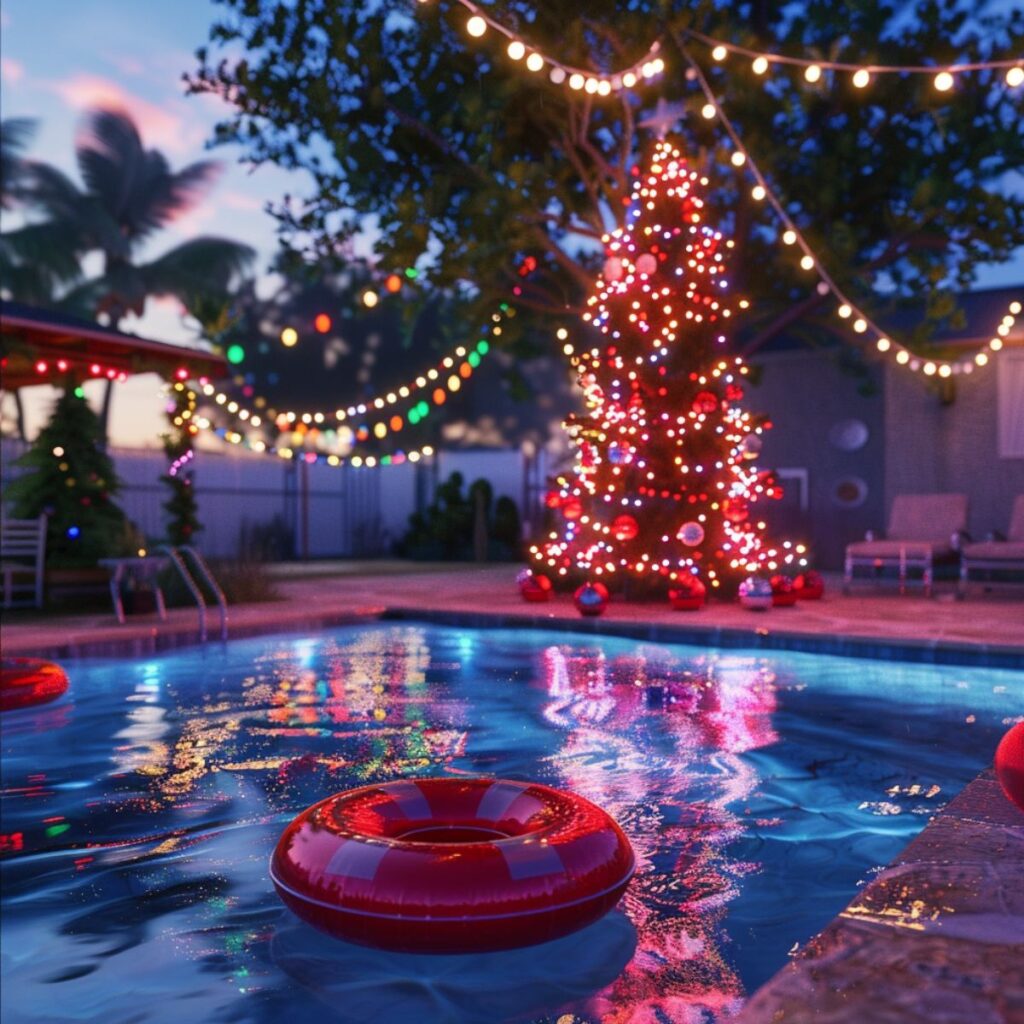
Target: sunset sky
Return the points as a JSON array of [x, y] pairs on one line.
[[60, 57]]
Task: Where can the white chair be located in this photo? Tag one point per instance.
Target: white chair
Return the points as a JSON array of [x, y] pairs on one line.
[[996, 555], [23, 551], [922, 531]]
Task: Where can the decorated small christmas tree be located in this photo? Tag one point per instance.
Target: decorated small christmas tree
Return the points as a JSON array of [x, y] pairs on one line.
[[181, 506], [72, 480], [665, 485]]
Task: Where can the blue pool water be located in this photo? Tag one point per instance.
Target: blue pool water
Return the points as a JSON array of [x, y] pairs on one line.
[[758, 790]]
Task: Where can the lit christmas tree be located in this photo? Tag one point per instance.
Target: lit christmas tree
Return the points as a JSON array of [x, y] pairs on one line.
[[665, 483]]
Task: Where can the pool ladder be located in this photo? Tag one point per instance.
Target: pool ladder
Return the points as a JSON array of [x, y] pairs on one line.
[[180, 556]]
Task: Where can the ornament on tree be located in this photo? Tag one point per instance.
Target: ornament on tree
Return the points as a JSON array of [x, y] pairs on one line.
[[625, 527], [809, 586], [704, 402], [688, 594], [613, 269], [691, 534], [647, 264], [663, 423], [533, 587], [755, 594], [784, 594], [750, 447], [591, 599], [572, 508], [553, 499]]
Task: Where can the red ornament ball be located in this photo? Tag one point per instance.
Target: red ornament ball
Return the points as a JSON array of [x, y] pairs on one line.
[[736, 510], [705, 401], [1010, 765], [625, 527], [552, 499], [691, 533], [572, 508], [534, 587], [809, 586], [613, 269], [733, 392], [591, 599], [784, 594], [647, 264], [689, 595]]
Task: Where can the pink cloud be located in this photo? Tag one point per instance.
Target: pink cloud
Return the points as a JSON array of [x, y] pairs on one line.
[[240, 201], [159, 126], [11, 70]]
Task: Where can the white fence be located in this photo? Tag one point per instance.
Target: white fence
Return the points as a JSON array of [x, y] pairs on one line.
[[323, 511]]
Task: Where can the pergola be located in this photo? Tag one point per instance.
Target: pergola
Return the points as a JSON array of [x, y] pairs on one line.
[[40, 346]]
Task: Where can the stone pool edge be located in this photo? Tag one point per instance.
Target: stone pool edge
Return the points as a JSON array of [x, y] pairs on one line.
[[937, 936]]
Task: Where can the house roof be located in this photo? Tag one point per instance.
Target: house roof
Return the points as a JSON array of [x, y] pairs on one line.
[[37, 344]]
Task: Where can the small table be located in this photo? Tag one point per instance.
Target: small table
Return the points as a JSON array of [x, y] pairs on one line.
[[137, 570]]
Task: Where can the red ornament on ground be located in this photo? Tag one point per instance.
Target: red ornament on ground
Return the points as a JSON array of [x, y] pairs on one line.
[[784, 594], [1010, 765], [452, 865], [25, 682], [535, 588], [689, 595], [625, 528], [809, 586], [591, 599]]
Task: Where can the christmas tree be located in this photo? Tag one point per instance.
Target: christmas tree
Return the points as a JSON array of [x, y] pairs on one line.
[[665, 483], [73, 482], [181, 506]]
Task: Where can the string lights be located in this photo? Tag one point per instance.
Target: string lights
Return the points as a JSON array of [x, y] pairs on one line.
[[861, 75], [846, 310], [594, 83]]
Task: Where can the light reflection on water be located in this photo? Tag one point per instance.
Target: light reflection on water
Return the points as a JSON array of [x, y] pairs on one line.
[[139, 813]]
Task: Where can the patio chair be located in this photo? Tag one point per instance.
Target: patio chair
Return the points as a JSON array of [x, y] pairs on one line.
[[996, 555], [922, 531], [23, 551]]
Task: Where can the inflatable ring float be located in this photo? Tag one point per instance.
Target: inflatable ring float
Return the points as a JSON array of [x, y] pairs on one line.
[[28, 681], [452, 865]]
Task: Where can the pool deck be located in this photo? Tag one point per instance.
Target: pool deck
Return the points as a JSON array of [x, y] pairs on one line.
[[983, 630], [938, 936]]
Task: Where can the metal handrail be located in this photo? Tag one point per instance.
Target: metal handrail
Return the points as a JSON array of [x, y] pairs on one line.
[[207, 577], [197, 594]]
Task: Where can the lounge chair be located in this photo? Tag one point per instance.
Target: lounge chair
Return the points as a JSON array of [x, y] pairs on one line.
[[922, 531], [996, 555]]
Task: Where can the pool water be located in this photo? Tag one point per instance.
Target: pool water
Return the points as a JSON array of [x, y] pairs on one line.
[[758, 790]]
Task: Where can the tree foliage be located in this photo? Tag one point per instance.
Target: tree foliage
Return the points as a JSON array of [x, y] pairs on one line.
[[470, 165]]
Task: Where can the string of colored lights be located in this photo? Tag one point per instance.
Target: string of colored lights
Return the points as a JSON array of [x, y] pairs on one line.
[[846, 310], [944, 74], [650, 65], [597, 83]]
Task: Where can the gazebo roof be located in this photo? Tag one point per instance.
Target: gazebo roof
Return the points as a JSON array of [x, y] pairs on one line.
[[38, 344]]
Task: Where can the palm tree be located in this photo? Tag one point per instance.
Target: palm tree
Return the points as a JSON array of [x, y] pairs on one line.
[[130, 194]]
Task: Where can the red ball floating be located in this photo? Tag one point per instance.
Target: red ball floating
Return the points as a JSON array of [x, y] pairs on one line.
[[689, 595], [1010, 764], [28, 681], [809, 586], [784, 594], [591, 599], [625, 527], [534, 587], [452, 865]]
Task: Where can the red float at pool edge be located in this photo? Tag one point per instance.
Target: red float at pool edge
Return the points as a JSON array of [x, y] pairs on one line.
[[452, 865], [1009, 764], [28, 681]]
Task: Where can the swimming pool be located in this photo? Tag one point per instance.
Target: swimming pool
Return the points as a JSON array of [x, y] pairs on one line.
[[758, 790]]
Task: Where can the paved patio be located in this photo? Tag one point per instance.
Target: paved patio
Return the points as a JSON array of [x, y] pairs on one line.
[[869, 623]]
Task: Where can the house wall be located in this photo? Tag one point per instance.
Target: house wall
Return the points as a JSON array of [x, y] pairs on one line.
[[811, 400], [937, 445]]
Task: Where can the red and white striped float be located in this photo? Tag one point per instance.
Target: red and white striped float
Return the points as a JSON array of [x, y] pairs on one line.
[[452, 864]]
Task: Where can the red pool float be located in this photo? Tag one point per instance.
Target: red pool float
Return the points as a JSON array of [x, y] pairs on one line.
[[1010, 764], [28, 681], [452, 865]]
